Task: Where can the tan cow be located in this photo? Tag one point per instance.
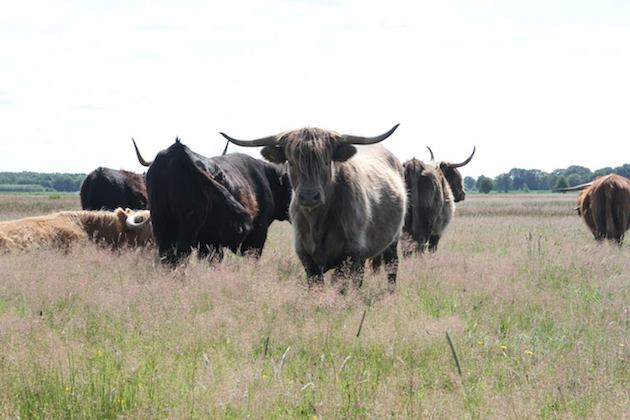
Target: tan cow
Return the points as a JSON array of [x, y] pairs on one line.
[[59, 230]]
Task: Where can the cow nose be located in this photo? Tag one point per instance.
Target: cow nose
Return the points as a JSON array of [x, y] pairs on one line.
[[310, 197]]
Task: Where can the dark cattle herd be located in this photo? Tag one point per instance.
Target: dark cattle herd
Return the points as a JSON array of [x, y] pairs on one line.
[[349, 201]]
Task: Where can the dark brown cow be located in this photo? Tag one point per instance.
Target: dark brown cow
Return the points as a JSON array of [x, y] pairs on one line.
[[210, 203], [433, 190], [604, 204], [348, 202], [107, 189]]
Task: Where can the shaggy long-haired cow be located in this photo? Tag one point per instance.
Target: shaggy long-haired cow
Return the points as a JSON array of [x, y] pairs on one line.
[[60, 230]]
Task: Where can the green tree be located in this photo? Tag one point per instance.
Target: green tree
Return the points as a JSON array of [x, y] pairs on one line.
[[64, 183], [603, 171], [561, 182], [623, 170], [469, 183], [503, 183], [575, 179], [578, 175], [484, 184]]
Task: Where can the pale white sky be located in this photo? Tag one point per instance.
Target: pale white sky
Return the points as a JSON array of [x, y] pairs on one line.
[[537, 84]]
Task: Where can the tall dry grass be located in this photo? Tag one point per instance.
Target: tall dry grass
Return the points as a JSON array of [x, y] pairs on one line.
[[537, 312]]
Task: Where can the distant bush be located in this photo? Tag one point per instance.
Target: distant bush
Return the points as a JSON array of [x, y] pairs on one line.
[[21, 188], [45, 181]]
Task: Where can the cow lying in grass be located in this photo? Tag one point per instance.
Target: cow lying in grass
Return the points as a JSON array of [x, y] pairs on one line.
[[59, 230]]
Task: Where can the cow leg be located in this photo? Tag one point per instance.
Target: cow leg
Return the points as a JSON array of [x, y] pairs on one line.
[[254, 243], [376, 263], [213, 253], [186, 240], [350, 268], [411, 247], [166, 250], [314, 273], [167, 255], [433, 242], [390, 258]]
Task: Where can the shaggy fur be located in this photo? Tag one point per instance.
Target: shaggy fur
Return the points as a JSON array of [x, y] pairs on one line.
[[430, 208], [212, 203], [605, 207], [433, 188], [361, 202], [60, 230], [107, 189]]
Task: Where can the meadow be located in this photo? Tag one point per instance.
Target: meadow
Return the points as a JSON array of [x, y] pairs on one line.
[[536, 310]]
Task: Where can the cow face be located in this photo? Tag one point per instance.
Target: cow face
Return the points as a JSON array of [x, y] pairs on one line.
[[455, 181], [310, 153]]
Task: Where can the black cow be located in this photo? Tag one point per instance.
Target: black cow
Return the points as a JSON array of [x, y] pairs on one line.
[[211, 203], [433, 190], [107, 189]]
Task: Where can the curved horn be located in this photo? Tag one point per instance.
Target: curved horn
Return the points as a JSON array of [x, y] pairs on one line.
[[137, 220], [264, 141], [575, 187], [227, 143], [140, 158], [431, 151], [368, 140], [457, 165]]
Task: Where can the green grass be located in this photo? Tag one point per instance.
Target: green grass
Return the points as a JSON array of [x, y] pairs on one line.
[[537, 312]]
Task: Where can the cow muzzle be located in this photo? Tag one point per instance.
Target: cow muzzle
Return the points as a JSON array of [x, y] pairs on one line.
[[310, 198]]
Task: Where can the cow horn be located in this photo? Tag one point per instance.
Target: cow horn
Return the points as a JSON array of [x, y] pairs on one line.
[[264, 141], [368, 140], [140, 158], [431, 151], [458, 165], [227, 143], [136, 221], [575, 187]]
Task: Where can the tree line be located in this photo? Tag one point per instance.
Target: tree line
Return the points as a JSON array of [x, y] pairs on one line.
[[516, 179], [39, 182], [536, 180]]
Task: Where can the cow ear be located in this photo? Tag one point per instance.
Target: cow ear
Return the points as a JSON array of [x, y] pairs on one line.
[[343, 152], [121, 215], [274, 153], [444, 166]]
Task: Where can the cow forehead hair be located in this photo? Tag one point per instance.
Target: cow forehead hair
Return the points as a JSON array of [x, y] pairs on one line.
[[309, 144]]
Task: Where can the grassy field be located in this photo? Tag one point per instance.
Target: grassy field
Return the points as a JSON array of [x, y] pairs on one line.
[[536, 310]]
